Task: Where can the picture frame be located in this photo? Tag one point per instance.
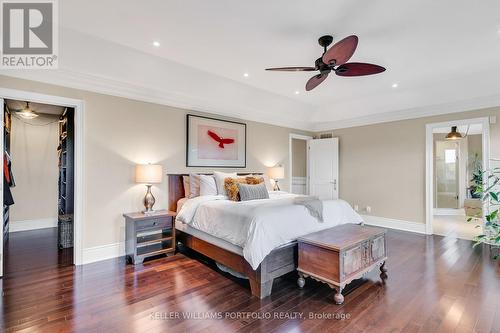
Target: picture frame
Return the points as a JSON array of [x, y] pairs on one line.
[[215, 143]]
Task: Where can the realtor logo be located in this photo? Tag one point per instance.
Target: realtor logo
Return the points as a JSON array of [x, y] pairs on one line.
[[29, 34]]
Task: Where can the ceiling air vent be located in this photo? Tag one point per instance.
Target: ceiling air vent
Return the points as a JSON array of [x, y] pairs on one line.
[[327, 135]]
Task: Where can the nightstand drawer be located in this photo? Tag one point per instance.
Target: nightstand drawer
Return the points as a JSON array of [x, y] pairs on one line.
[[154, 223]]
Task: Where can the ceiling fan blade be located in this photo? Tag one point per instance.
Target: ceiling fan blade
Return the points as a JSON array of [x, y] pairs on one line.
[[342, 51], [292, 69], [358, 69], [315, 81]]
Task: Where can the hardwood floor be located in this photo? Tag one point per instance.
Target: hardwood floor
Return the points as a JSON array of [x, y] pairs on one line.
[[27, 250], [435, 284]]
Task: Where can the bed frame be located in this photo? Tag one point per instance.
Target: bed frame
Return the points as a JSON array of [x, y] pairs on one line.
[[279, 262]]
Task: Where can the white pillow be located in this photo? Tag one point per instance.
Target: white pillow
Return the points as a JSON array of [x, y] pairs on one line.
[[267, 181], [187, 190], [219, 180], [194, 185], [207, 185]]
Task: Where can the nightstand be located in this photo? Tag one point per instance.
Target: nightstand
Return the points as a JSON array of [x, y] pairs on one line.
[[149, 235]]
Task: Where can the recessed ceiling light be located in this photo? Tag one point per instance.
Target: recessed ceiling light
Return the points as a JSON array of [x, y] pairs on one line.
[[297, 92], [395, 85], [245, 74], [156, 43]]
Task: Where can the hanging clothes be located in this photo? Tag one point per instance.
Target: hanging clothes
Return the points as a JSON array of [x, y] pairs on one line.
[[8, 200], [6, 169], [8, 181], [10, 178]]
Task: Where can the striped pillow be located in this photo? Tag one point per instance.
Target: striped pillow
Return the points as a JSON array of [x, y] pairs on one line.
[[253, 192]]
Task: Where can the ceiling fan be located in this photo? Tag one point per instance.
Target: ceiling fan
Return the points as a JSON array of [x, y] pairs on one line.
[[334, 59]]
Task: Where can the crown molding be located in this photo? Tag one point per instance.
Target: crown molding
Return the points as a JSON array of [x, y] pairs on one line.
[[107, 86], [413, 113]]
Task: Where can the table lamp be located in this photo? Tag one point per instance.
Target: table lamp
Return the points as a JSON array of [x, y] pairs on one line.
[[148, 174], [276, 173]]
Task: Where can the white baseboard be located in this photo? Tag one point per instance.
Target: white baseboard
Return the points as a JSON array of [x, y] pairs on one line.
[[98, 253], [25, 225], [394, 224]]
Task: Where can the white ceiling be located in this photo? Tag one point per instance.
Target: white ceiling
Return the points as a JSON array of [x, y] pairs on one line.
[[15, 105], [442, 54]]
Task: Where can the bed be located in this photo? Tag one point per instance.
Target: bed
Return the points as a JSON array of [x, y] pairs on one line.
[[261, 250]]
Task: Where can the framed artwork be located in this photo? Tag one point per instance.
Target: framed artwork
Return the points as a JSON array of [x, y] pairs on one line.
[[215, 143]]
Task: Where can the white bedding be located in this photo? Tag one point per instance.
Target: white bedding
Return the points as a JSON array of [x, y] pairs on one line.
[[260, 226], [181, 202]]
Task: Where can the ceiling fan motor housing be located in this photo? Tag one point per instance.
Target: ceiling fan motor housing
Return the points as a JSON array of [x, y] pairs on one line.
[[322, 67], [326, 40]]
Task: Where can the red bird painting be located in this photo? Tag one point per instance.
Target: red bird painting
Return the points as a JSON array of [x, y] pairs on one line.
[[221, 141]]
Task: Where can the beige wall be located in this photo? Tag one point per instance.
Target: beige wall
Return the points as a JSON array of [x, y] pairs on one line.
[[120, 133], [383, 165], [299, 159], [34, 165], [475, 146]]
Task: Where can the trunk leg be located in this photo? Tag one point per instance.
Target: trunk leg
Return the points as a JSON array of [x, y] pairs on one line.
[[338, 298]]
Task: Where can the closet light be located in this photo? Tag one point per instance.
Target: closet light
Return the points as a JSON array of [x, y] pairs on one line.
[[454, 135], [27, 113]]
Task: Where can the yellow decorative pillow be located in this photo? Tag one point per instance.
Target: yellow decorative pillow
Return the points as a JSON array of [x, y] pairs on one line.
[[231, 187], [252, 180]]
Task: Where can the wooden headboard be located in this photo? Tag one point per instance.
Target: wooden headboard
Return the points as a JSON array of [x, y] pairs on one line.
[[176, 187]]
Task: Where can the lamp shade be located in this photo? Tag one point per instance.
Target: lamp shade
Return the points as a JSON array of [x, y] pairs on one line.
[[453, 135], [277, 172], [148, 173], [27, 112]]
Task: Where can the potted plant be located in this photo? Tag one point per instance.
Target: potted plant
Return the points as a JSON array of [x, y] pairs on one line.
[[490, 197], [477, 177]]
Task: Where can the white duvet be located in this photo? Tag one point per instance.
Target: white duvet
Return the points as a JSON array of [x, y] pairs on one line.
[[260, 226]]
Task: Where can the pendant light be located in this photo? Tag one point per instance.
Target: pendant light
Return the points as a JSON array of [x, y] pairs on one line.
[[27, 112], [454, 135]]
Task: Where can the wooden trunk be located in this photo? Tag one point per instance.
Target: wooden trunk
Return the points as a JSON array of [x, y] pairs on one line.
[[341, 254]]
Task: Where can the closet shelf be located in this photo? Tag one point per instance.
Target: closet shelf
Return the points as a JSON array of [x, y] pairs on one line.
[[66, 162]]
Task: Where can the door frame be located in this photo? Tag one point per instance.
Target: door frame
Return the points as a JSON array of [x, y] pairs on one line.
[[290, 158], [79, 165], [429, 160]]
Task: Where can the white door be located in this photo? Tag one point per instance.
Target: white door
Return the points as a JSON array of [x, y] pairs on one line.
[[324, 168], [1, 188]]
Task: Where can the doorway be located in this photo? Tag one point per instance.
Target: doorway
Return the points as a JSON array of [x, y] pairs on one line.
[[299, 164], [457, 154], [38, 185], [78, 200]]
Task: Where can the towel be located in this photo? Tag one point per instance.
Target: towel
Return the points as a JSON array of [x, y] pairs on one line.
[[313, 204]]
